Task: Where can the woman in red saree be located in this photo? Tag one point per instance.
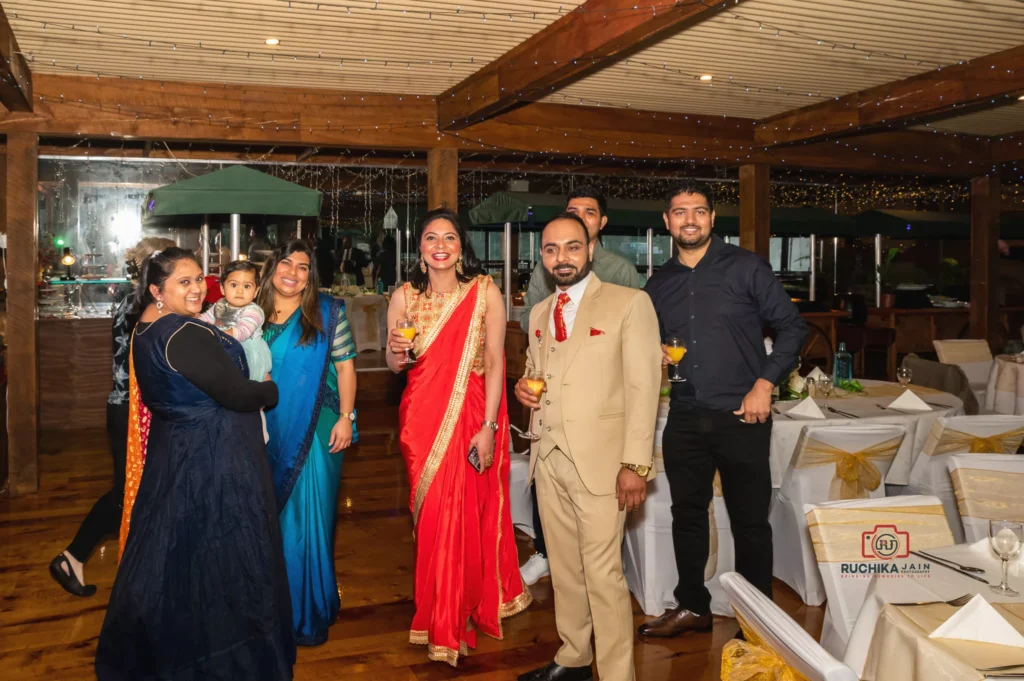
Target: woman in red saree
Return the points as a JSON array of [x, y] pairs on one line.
[[467, 569]]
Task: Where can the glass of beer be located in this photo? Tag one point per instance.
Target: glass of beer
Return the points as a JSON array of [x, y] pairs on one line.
[[408, 329], [676, 349], [535, 383]]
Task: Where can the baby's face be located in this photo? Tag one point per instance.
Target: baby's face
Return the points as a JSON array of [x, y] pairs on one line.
[[239, 288]]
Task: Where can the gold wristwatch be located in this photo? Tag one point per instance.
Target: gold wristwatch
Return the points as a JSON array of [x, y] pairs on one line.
[[642, 471]]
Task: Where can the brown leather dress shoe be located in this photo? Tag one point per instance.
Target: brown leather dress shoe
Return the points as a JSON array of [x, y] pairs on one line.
[[674, 623]]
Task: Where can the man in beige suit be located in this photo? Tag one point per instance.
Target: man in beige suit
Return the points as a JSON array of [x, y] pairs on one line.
[[598, 347]]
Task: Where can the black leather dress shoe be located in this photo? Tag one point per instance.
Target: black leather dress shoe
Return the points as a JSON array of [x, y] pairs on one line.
[[556, 672], [60, 570]]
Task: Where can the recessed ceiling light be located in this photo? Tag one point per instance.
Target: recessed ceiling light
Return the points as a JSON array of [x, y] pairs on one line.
[[273, 41], [706, 77], [1021, 98]]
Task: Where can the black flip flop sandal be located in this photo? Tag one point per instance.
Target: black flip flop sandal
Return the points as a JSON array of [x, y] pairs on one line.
[[68, 580]]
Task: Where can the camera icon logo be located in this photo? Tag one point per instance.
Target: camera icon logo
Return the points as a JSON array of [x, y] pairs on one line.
[[885, 542]]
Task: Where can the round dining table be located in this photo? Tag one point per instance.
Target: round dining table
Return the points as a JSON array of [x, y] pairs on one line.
[[870, 408]]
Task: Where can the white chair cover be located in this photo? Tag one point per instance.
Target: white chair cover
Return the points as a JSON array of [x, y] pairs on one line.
[[987, 487], [973, 356], [648, 556], [838, 530], [959, 435], [781, 634], [368, 321], [520, 495], [813, 477]]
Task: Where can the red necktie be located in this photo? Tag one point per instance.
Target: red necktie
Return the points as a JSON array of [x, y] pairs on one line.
[[560, 332]]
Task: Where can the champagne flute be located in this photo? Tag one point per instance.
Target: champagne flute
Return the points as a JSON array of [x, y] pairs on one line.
[[407, 328], [904, 375], [1006, 538], [535, 382], [676, 349]]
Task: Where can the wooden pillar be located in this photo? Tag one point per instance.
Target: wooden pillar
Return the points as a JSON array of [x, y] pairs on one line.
[[443, 179], [985, 206], [22, 330], [755, 213]]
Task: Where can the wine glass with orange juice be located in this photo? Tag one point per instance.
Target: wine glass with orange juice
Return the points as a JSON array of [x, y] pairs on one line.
[[676, 349], [535, 383], [407, 328]]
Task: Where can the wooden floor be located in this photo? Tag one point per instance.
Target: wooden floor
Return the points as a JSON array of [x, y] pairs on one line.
[[48, 634]]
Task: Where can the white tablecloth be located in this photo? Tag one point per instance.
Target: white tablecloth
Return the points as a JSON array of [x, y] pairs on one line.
[[1005, 391], [866, 652], [368, 320], [786, 431]]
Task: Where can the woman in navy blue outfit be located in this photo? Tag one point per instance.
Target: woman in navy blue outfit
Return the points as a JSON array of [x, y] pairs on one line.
[[201, 591]]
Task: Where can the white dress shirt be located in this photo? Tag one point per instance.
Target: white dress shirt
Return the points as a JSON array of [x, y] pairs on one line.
[[575, 292]]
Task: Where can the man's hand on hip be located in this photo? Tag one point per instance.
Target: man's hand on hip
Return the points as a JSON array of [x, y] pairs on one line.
[[757, 404], [630, 489]]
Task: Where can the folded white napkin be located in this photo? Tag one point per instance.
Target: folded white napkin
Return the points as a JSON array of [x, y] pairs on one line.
[[817, 374], [807, 409], [983, 549], [908, 401], [979, 621]]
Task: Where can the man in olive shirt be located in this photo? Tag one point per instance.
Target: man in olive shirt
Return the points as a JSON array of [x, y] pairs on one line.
[[610, 267]]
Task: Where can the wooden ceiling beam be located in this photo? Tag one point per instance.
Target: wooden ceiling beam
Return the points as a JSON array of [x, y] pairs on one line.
[[590, 37], [15, 76], [983, 82], [114, 109], [1008, 148]]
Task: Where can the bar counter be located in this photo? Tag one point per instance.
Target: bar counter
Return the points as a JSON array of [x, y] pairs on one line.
[[75, 372]]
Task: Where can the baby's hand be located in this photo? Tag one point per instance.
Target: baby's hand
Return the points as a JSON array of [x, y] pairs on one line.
[[230, 332]]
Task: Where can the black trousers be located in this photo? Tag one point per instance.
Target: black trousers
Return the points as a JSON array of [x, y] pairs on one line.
[[538, 530], [696, 443], [105, 517]]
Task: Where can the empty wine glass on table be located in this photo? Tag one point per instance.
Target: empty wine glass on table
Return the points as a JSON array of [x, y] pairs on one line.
[[408, 329], [676, 349], [535, 383], [1006, 538], [824, 386], [904, 375]]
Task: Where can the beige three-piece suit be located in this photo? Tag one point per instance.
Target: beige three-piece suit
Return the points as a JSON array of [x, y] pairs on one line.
[[598, 412]]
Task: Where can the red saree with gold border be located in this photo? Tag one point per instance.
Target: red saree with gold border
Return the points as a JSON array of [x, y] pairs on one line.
[[467, 569]]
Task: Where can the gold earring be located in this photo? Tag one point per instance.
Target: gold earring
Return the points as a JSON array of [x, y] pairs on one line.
[[458, 265], [423, 266]]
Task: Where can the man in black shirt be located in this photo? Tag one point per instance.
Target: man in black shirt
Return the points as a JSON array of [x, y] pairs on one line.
[[717, 298]]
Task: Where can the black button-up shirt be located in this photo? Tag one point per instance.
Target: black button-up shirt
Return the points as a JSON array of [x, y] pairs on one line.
[[719, 309]]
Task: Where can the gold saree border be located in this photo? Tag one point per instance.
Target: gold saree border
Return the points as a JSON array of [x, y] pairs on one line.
[[458, 398], [439, 653]]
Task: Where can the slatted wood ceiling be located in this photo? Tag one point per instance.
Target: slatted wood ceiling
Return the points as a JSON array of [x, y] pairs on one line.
[[763, 54]]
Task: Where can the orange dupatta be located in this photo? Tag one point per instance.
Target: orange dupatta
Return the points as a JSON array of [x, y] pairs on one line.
[[139, 418]]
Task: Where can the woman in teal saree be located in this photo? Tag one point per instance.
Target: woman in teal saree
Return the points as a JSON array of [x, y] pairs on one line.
[[313, 422]]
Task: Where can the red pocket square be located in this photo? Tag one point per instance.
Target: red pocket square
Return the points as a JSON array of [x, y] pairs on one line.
[[538, 334], [596, 332]]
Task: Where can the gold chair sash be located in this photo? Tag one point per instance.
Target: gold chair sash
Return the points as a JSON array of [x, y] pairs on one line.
[[856, 472], [954, 441], [753, 660], [990, 495], [838, 533]]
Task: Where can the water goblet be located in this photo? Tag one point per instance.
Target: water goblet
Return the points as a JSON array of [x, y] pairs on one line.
[[824, 384], [1006, 538], [904, 375]]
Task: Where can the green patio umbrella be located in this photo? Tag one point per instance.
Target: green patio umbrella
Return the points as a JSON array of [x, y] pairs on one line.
[[234, 190]]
